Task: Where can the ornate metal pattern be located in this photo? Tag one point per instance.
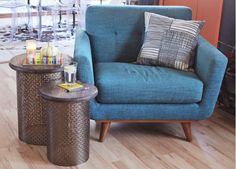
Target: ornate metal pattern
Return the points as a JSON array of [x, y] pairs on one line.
[[68, 132], [31, 117]]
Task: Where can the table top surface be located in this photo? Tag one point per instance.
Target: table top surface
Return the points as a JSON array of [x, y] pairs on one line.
[[53, 92], [16, 64]]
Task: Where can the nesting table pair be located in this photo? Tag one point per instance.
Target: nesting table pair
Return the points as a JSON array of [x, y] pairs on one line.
[[49, 115]]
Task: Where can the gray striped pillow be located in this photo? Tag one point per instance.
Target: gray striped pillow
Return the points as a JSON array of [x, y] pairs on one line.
[[169, 42]]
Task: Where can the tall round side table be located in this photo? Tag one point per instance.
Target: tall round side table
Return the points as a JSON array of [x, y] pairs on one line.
[[29, 79], [68, 123]]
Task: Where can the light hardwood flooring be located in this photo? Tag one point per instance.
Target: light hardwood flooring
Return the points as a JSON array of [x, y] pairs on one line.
[[127, 146]]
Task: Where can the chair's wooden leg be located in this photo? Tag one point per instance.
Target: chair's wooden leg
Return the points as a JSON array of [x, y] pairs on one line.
[[104, 130], [187, 130]]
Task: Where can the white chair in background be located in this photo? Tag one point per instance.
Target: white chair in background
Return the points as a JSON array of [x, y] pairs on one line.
[[53, 12], [14, 5], [70, 9], [43, 9]]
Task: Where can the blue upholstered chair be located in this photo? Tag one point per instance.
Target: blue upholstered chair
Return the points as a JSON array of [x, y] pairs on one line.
[[127, 92]]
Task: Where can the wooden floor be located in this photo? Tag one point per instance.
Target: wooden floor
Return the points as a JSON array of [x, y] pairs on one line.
[[127, 146]]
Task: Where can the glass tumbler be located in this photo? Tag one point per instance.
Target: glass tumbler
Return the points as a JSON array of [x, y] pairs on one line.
[[70, 74]]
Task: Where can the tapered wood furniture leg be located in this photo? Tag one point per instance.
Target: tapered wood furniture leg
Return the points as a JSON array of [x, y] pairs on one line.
[[187, 130], [104, 130]]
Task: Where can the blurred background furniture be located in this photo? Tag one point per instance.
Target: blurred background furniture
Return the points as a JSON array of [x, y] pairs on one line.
[[55, 12], [133, 93], [15, 6], [44, 6], [70, 8], [59, 15]]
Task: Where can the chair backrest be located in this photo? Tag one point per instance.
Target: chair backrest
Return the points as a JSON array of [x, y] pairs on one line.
[[117, 32]]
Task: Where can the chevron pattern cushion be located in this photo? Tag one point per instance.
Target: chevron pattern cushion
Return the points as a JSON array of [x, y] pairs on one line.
[[169, 42]]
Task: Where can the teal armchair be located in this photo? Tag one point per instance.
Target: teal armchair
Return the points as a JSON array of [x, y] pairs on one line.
[[127, 92]]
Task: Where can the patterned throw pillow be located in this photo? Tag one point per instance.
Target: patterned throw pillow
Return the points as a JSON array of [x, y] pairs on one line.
[[169, 42]]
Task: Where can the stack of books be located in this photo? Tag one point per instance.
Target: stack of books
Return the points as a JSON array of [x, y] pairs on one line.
[[71, 88]]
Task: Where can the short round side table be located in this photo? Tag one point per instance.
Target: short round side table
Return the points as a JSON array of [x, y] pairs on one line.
[[68, 123], [29, 79]]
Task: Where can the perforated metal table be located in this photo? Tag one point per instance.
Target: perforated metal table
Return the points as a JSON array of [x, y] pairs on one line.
[[29, 79], [68, 123]]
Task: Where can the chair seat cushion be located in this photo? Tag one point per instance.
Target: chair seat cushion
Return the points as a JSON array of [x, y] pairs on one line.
[[122, 83]]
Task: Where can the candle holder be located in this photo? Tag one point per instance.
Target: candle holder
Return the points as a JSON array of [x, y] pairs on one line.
[[47, 56], [30, 51]]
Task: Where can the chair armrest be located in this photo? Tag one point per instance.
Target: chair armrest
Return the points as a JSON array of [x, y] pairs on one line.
[[83, 57], [210, 65]]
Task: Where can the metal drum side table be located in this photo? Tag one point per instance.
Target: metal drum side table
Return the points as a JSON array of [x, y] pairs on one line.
[[68, 123], [29, 79]]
